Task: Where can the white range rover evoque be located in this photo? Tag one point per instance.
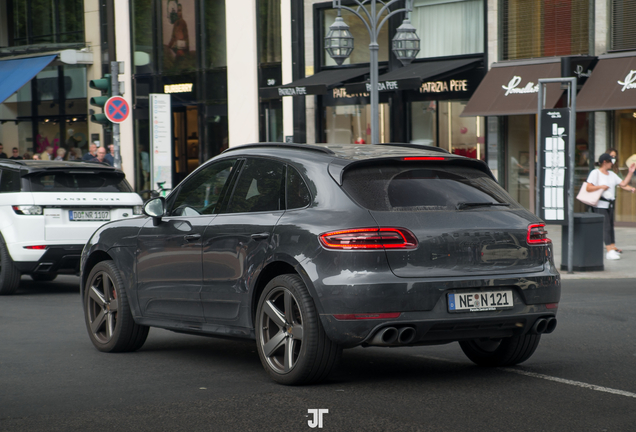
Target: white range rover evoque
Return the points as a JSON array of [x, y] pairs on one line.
[[49, 210]]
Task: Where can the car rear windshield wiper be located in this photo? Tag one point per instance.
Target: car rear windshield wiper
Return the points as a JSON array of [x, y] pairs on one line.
[[463, 205]]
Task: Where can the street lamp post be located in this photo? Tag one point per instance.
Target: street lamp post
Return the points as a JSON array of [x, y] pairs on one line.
[[406, 43]]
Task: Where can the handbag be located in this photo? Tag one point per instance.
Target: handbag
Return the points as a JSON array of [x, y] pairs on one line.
[[589, 198]]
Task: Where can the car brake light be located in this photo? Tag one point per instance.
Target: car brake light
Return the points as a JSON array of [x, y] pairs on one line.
[[537, 235], [364, 316], [424, 158], [38, 247], [27, 209], [369, 238], [552, 306]]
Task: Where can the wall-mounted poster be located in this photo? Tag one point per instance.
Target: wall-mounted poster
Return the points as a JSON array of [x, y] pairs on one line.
[[179, 35]]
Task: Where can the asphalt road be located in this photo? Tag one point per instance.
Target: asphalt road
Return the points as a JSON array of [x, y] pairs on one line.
[[582, 377]]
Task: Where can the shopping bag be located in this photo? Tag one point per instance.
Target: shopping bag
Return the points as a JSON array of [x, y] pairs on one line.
[[589, 198]]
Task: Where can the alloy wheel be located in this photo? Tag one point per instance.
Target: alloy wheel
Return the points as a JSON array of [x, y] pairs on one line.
[[281, 330], [102, 307]]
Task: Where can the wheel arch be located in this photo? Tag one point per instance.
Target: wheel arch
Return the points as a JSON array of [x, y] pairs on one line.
[[93, 259], [277, 267]]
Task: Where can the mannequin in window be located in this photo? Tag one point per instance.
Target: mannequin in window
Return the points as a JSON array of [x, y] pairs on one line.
[[180, 41]]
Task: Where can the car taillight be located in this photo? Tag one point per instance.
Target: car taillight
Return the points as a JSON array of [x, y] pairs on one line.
[[366, 316], [27, 209], [537, 235], [369, 238], [38, 247]]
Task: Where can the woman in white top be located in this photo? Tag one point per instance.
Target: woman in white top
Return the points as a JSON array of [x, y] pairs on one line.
[[604, 178]]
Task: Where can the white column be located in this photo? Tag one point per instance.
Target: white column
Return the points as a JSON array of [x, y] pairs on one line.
[[601, 28], [242, 71], [126, 134], [286, 53], [492, 21]]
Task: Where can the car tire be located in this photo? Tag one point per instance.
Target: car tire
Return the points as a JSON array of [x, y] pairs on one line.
[[109, 321], [43, 277], [290, 339], [501, 352], [9, 274]]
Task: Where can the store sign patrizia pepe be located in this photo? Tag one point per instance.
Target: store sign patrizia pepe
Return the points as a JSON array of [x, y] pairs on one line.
[[444, 86], [292, 91], [513, 87], [630, 81]]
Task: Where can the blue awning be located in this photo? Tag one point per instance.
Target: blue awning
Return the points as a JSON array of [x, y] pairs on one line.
[[16, 73]]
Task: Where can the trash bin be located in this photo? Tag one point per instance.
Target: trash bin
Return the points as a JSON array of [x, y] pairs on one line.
[[588, 243]]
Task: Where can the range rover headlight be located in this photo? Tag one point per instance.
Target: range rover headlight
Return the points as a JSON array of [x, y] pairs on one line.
[[27, 210], [137, 210]]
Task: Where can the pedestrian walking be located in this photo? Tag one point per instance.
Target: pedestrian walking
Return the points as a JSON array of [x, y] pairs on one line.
[[3, 155], [15, 154], [604, 178]]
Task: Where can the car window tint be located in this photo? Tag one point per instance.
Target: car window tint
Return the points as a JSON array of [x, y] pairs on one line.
[[9, 181], [259, 187], [298, 195], [418, 188], [79, 182], [200, 194]]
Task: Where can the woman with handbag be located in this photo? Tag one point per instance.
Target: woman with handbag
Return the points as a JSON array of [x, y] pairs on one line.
[[604, 178]]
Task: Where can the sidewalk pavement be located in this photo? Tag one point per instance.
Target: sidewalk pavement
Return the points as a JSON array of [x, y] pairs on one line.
[[614, 269]]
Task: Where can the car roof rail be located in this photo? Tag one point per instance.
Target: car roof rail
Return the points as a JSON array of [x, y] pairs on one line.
[[310, 147], [418, 146]]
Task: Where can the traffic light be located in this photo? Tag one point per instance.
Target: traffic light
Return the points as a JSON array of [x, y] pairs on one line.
[[104, 85]]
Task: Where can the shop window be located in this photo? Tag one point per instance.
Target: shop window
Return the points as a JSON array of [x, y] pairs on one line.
[[449, 27], [215, 42], [360, 53], [625, 144], [623, 33], [178, 23], [45, 21], [269, 27], [142, 35], [544, 28], [351, 124], [438, 123], [518, 136]]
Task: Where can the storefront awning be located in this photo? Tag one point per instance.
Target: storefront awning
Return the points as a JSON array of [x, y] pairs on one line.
[[412, 76], [316, 84], [511, 89], [612, 85], [16, 73]]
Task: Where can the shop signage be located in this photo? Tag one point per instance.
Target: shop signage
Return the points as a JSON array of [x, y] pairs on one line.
[[177, 88], [580, 72], [630, 81], [385, 86], [444, 86], [341, 93], [292, 91], [513, 85], [554, 135]]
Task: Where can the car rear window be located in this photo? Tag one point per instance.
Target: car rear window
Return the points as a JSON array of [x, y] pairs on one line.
[[413, 187], [79, 182]]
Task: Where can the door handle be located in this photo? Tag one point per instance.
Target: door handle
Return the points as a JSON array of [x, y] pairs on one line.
[[260, 236], [190, 237]]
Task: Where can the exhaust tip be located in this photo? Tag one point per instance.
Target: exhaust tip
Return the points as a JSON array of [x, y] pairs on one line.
[[551, 325], [540, 326], [389, 335], [406, 335]]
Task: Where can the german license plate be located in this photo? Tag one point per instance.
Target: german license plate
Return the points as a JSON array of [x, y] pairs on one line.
[[88, 215], [480, 301]]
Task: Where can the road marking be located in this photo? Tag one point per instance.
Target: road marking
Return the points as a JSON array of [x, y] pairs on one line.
[[573, 383], [547, 377]]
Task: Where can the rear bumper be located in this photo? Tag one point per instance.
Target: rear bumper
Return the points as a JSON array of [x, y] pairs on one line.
[[56, 259]]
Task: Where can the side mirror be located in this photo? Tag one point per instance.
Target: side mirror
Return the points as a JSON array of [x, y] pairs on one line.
[[156, 209]]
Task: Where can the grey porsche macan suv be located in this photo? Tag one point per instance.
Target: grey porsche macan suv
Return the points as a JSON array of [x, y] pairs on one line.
[[309, 249]]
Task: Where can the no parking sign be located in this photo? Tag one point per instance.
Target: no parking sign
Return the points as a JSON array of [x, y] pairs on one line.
[[116, 109]]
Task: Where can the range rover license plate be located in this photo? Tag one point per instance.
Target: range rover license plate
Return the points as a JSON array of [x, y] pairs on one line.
[[480, 301], [88, 215]]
